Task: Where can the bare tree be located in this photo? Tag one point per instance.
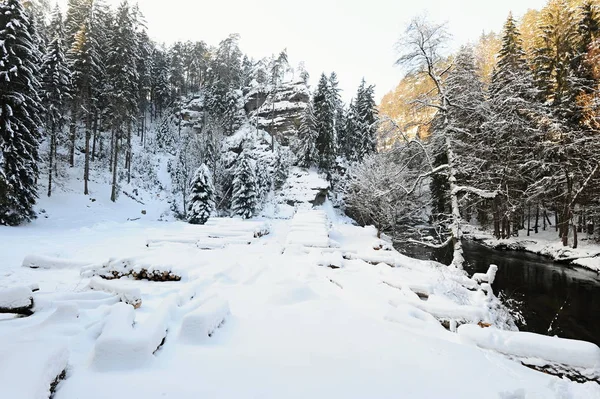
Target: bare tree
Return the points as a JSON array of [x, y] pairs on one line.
[[420, 51]]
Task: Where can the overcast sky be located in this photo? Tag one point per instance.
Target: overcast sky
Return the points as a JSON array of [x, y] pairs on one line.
[[351, 37]]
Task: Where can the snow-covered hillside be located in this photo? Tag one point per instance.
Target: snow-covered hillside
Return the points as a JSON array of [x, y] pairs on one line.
[[299, 304]]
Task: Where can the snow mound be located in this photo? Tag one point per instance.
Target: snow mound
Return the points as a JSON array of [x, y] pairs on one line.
[[16, 298], [144, 267], [46, 262], [129, 295], [28, 368], [310, 228], [523, 344], [201, 323]]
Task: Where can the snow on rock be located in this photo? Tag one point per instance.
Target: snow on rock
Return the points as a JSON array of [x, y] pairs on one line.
[[302, 188], [46, 262], [16, 298], [524, 344], [201, 323], [488, 277], [28, 368], [130, 295]]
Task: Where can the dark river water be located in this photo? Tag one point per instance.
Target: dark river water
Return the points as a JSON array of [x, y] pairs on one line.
[[542, 287]]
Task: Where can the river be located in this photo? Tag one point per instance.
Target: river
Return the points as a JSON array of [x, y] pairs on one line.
[[542, 286]]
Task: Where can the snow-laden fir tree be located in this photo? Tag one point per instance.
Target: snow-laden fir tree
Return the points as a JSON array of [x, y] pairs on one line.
[[365, 133], [123, 74], [55, 93], [20, 109], [201, 200], [307, 138], [324, 103], [513, 131], [245, 197]]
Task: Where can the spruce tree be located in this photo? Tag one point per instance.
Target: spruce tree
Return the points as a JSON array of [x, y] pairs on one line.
[[365, 137], [245, 198], [201, 200], [123, 76], [513, 132], [19, 115], [554, 58], [55, 93], [307, 138], [324, 109]]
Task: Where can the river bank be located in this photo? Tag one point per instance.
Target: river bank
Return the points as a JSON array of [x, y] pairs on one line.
[[545, 243]]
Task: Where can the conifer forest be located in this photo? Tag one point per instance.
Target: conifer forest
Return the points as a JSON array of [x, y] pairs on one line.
[[178, 215]]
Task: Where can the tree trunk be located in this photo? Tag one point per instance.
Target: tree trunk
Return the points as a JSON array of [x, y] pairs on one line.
[[51, 159], [73, 134], [537, 218], [496, 218], [115, 151], [457, 256], [529, 220], [128, 160], [95, 134], [86, 170]]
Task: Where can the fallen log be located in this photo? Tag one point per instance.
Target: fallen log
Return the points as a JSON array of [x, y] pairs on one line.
[[16, 300]]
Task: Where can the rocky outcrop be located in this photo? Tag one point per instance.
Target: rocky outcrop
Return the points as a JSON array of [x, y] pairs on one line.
[[279, 112]]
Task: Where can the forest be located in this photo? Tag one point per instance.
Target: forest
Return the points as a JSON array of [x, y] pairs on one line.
[[502, 133], [505, 139]]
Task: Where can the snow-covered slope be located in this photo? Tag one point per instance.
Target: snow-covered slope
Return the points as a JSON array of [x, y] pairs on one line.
[[267, 316]]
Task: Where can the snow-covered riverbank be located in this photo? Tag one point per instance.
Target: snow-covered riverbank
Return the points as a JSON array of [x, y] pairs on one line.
[[545, 243]]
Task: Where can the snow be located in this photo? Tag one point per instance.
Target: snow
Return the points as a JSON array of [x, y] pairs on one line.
[[546, 243], [553, 349], [293, 328], [16, 297], [29, 367], [201, 323], [47, 262], [130, 295]]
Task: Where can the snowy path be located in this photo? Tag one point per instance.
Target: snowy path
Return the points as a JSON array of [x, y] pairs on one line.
[[281, 323]]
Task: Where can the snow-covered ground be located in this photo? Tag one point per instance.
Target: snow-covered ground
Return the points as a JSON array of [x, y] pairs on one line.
[[547, 243], [313, 309]]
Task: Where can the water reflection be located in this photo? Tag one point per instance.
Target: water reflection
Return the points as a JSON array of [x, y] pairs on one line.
[[542, 285]]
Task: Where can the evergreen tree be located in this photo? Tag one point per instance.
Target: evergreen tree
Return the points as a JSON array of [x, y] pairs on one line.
[[514, 130], [56, 85], [554, 57], [324, 109], [123, 75], [365, 136], [307, 138], [245, 198], [201, 201], [19, 115], [346, 143], [159, 82]]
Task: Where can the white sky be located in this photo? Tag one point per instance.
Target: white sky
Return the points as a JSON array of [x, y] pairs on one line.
[[351, 37]]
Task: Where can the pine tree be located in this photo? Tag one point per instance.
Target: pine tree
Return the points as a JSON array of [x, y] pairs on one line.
[[19, 115], [159, 83], [56, 85], [201, 201], [307, 138], [554, 57], [365, 137], [514, 129], [123, 75], [324, 109], [346, 138], [245, 198]]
